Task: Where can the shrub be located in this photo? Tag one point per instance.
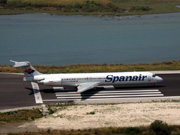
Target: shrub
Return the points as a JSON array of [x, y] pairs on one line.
[[141, 8], [132, 131], [160, 128], [13, 3], [3, 2], [91, 113]]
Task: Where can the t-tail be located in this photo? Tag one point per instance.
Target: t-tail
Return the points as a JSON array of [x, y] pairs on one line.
[[28, 70]]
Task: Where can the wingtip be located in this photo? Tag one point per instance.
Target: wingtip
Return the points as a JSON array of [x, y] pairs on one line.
[[12, 61]]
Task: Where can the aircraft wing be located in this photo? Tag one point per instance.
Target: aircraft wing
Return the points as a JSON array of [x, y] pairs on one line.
[[86, 86]]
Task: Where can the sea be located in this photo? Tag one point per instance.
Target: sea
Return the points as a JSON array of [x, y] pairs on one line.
[[45, 39]]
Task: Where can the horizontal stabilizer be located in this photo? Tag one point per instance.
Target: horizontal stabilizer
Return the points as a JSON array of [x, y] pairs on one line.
[[20, 64], [28, 70]]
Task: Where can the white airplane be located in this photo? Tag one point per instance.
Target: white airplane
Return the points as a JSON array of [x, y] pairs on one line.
[[86, 81]]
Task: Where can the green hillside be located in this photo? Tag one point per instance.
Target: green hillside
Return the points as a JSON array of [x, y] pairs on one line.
[[89, 7]]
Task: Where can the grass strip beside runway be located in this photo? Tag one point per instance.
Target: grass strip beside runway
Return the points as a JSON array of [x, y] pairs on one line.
[[164, 128], [20, 116]]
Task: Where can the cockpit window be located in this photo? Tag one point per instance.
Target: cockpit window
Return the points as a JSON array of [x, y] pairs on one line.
[[153, 75]]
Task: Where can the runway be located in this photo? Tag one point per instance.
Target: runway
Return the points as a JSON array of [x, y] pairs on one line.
[[16, 93]]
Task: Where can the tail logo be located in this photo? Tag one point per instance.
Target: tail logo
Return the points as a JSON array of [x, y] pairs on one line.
[[29, 71]]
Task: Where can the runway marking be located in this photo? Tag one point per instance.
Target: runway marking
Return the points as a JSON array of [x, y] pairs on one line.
[[58, 88], [122, 96], [100, 94], [110, 92], [37, 94], [105, 94], [129, 99]]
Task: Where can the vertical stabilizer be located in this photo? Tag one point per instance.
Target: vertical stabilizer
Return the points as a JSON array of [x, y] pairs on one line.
[[26, 68]]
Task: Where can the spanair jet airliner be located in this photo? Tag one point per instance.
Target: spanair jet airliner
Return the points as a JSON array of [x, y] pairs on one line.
[[86, 81]]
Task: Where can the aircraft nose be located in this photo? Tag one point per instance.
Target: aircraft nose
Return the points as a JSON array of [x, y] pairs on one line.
[[158, 79]]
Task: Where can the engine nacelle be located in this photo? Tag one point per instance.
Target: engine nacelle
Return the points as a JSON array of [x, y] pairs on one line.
[[33, 78], [51, 81], [28, 79]]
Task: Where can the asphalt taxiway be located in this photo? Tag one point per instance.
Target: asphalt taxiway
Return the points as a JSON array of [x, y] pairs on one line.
[[15, 93]]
